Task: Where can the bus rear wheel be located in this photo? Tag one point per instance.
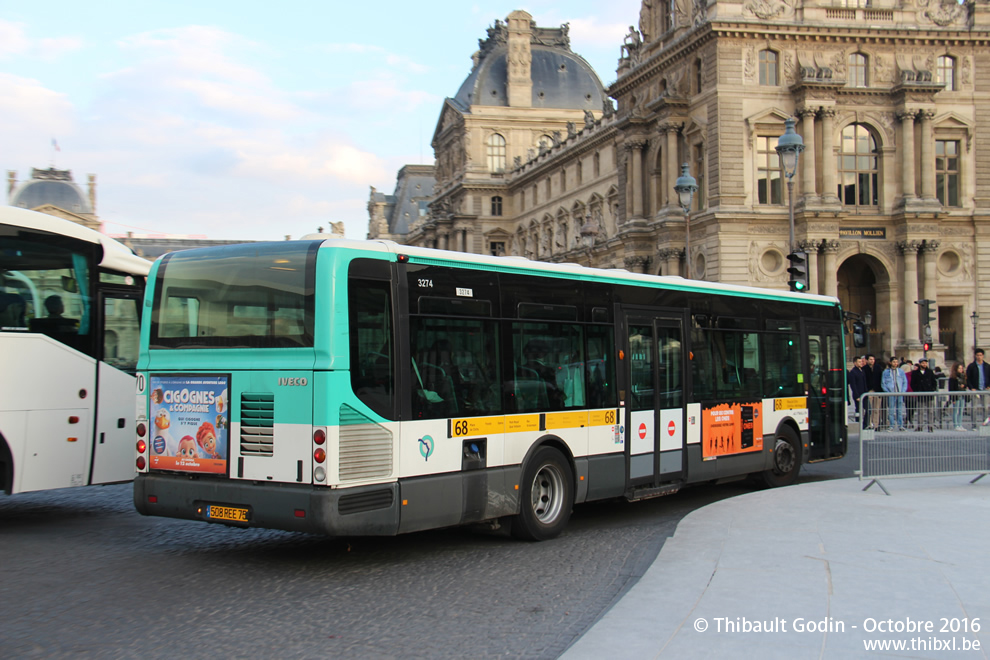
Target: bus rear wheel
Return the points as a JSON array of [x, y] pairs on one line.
[[786, 459], [547, 496]]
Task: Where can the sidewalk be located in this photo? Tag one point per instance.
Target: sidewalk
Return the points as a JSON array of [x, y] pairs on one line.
[[822, 555]]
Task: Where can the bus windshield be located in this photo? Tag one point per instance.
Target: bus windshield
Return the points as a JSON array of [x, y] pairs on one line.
[[254, 295]]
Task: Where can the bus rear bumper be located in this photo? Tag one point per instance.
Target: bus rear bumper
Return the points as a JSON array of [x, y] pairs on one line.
[[360, 511]]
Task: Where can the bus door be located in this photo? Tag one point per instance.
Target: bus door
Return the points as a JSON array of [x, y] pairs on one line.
[[654, 400], [113, 443], [826, 373]]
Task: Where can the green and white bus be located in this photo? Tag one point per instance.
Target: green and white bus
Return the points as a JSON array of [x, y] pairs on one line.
[[367, 388]]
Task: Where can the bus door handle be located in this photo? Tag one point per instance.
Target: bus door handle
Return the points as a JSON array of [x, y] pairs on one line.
[[102, 437]]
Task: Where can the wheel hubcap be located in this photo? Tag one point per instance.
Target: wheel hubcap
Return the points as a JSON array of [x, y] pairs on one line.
[[784, 456], [547, 494]]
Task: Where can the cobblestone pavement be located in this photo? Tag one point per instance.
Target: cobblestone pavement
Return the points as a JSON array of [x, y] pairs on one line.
[[85, 575]]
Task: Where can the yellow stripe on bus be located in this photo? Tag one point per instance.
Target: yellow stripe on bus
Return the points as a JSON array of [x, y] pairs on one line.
[[474, 426], [567, 420], [791, 403]]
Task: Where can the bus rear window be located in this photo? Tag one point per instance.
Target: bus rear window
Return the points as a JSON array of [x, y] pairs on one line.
[[256, 295]]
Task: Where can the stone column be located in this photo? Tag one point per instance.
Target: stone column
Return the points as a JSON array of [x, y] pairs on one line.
[[807, 116], [519, 59], [927, 156], [909, 290], [636, 149], [638, 264], [811, 249], [673, 261], [442, 240], [673, 167], [831, 249], [907, 156], [829, 191]]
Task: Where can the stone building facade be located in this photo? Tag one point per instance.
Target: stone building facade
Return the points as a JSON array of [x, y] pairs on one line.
[[890, 99]]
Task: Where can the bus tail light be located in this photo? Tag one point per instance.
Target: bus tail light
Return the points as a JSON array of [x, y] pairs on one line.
[[319, 436], [141, 462], [320, 455], [141, 446]]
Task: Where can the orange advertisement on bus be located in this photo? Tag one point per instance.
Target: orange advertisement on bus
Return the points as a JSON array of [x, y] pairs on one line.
[[189, 423], [731, 428]]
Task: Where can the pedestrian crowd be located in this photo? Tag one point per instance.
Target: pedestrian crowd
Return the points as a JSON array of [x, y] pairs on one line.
[[918, 413]]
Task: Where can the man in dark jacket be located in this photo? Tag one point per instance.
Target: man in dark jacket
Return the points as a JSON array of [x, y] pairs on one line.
[[857, 382], [923, 380], [874, 377], [978, 379]]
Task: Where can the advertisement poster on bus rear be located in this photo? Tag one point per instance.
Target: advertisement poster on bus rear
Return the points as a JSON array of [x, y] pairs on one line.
[[190, 421], [731, 428]]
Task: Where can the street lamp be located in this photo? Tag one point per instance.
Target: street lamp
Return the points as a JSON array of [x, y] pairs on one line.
[[789, 148], [685, 187], [975, 317], [868, 321]]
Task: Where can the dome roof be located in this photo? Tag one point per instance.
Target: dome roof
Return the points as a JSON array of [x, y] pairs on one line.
[[61, 192], [561, 78]]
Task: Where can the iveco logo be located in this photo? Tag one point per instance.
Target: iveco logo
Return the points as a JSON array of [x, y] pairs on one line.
[[293, 382]]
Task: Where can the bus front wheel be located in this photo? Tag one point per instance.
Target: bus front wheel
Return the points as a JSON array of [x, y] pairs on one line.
[[547, 495], [786, 459]]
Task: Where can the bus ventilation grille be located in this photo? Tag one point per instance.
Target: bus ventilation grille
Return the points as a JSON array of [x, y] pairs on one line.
[[365, 447], [257, 424], [361, 502]]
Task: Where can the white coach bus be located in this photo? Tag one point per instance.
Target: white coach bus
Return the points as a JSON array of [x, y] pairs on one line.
[[69, 329]]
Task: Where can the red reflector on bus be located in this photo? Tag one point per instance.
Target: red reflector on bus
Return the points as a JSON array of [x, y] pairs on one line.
[[300, 513], [320, 455], [71, 439], [319, 436], [73, 419], [153, 499], [141, 429], [140, 462], [141, 446]]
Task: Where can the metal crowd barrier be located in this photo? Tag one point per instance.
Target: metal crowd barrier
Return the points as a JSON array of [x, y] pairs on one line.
[[915, 434]]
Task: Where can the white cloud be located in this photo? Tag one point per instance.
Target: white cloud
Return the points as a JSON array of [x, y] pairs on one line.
[[13, 40]]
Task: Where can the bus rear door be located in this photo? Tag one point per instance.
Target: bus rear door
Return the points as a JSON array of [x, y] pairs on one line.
[[655, 426], [826, 370]]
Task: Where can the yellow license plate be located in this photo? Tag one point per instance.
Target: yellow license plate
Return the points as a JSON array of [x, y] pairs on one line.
[[230, 513]]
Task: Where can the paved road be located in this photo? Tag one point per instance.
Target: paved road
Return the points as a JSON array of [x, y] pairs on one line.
[[83, 574]]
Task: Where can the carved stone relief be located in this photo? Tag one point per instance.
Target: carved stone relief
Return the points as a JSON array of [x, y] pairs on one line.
[[749, 66]]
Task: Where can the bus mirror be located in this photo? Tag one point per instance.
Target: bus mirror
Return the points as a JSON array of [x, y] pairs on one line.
[[69, 284]]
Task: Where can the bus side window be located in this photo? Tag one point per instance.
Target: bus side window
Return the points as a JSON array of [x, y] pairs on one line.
[[372, 357]]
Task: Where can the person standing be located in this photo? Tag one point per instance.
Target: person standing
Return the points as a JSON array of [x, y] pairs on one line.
[[894, 380], [857, 383], [957, 383], [978, 380], [923, 380], [874, 378]]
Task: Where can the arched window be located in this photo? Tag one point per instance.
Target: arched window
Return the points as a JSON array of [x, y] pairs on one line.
[[945, 72], [496, 153], [858, 167], [857, 70], [768, 68]]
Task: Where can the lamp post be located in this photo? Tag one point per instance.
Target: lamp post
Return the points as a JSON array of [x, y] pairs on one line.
[[868, 321], [975, 317], [789, 148], [685, 187]]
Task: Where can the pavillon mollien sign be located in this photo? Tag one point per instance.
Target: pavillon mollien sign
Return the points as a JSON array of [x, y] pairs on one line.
[[863, 232]]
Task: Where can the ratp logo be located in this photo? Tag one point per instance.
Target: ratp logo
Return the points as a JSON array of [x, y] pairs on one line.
[[426, 447]]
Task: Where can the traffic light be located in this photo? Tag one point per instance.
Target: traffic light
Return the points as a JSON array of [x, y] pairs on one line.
[[798, 271], [926, 313], [927, 346], [859, 334]]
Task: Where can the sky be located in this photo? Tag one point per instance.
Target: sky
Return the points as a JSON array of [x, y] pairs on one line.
[[236, 120]]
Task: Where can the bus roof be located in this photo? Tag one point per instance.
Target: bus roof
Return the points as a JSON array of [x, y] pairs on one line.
[[116, 256], [577, 271]]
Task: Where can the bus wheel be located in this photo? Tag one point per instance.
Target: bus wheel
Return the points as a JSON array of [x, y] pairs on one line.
[[546, 498], [786, 459]]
